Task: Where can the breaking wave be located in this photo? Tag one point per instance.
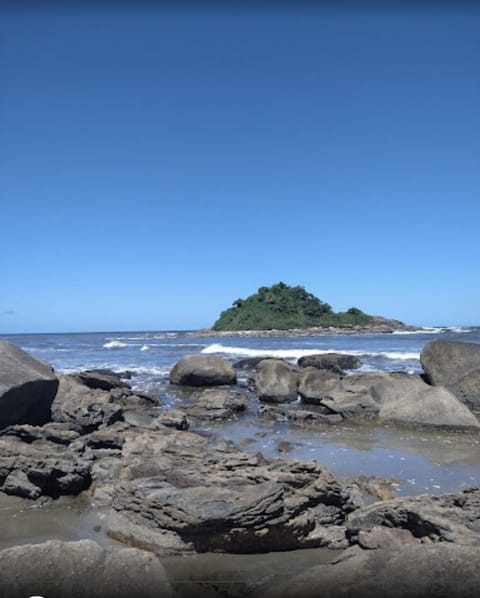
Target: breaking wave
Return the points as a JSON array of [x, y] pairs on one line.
[[297, 353]]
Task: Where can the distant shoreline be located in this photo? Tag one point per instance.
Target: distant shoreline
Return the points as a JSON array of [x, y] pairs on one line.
[[378, 326]]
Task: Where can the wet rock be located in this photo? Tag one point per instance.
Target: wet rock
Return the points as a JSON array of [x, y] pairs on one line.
[[334, 362], [276, 381], [131, 399], [40, 467], [202, 370], [455, 366], [305, 418], [83, 408], [27, 387], [250, 363], [440, 571], [378, 487], [80, 569]]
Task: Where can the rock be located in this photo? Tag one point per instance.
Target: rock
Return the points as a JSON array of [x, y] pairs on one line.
[[40, 467], [103, 379], [176, 495], [401, 571], [317, 384], [335, 362], [408, 400], [348, 397], [250, 363], [51, 432], [455, 366], [451, 518], [276, 381], [27, 387], [215, 404], [302, 417], [84, 408], [80, 569], [202, 370]]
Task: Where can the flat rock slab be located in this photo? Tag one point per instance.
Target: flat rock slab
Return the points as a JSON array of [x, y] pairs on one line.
[[27, 387], [411, 571], [81, 569]]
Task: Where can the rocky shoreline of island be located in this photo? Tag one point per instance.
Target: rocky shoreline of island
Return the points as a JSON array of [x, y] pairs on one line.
[[171, 489], [378, 325]]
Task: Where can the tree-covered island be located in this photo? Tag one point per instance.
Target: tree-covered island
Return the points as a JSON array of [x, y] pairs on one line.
[[282, 307]]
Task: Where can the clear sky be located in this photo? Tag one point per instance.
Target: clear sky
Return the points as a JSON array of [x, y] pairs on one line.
[[157, 165]]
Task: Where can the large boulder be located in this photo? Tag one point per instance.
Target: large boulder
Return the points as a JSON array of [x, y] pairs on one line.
[[79, 570], [276, 381], [202, 370], [408, 400], [455, 366], [27, 387]]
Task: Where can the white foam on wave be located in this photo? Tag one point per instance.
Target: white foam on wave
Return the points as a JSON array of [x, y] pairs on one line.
[[297, 353], [115, 345], [145, 348]]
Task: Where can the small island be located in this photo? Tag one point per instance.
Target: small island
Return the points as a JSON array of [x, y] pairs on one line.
[[281, 307]]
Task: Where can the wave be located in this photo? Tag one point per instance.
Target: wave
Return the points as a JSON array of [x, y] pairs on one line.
[[145, 348], [115, 345], [297, 353], [435, 330]]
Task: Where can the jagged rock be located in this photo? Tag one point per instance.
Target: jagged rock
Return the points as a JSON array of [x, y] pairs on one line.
[[103, 379], [128, 399], [80, 569], [51, 432], [40, 467], [276, 381], [402, 571], [445, 518], [202, 370], [305, 418], [178, 496], [83, 408], [335, 362], [216, 404], [455, 366], [27, 387]]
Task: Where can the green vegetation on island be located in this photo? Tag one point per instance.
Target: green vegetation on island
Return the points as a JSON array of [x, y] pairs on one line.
[[282, 307]]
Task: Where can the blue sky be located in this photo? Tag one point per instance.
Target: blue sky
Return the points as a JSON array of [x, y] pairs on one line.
[[155, 166]]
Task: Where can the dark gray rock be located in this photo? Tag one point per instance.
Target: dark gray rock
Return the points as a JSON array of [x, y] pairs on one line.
[[83, 408], [103, 379], [335, 362], [202, 370], [276, 381], [40, 467], [455, 366], [79, 570], [27, 387]]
